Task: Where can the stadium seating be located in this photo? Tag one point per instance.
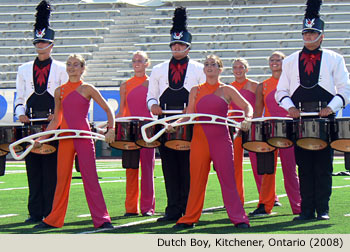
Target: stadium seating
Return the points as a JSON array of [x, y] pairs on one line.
[[107, 33]]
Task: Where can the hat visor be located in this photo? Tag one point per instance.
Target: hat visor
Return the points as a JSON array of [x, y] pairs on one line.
[[180, 42], [311, 30], [42, 40]]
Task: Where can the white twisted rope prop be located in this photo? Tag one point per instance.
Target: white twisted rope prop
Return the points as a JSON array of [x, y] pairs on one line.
[[191, 117], [56, 136]]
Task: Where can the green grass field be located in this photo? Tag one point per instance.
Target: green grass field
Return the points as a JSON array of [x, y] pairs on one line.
[[214, 220]]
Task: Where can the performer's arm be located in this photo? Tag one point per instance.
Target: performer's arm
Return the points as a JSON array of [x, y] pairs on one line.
[[122, 92], [259, 102], [239, 100], [20, 98], [282, 95]]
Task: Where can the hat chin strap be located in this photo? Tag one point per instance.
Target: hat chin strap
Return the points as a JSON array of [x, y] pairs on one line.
[[313, 41], [40, 49], [188, 47]]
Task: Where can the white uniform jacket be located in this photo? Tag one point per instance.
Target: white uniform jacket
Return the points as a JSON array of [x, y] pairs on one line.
[[159, 80], [25, 83], [334, 78]]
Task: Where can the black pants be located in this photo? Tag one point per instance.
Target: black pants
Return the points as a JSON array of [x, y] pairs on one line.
[[176, 171], [2, 165], [315, 176], [42, 178]]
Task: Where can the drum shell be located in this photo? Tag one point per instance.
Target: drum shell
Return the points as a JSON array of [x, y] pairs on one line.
[[255, 138], [8, 135], [150, 132], [340, 134], [180, 139], [313, 134], [280, 133], [125, 132]]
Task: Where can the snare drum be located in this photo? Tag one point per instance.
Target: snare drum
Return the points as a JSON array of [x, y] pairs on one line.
[[313, 134], [8, 135], [150, 132], [255, 139], [125, 131], [280, 133], [45, 148], [340, 134], [180, 139]]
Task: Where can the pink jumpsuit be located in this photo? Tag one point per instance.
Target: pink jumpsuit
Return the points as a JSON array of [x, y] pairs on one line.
[[74, 109], [212, 142], [291, 181], [135, 105]]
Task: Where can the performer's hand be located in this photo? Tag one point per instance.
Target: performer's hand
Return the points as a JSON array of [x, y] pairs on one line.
[[37, 144], [50, 117], [24, 119], [326, 112], [294, 112], [245, 125], [156, 109], [169, 128], [110, 136]]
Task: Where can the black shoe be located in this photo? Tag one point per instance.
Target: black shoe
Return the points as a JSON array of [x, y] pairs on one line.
[[130, 214], [303, 217], [242, 225], [323, 216], [277, 203], [149, 213], [168, 218], [183, 226], [106, 225], [43, 225], [260, 211], [32, 220]]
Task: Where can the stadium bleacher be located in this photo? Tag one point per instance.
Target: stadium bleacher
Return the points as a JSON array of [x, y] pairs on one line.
[[106, 33]]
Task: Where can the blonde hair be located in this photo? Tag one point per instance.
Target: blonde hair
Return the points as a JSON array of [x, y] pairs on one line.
[[81, 59], [217, 59], [243, 61], [144, 55], [278, 53]]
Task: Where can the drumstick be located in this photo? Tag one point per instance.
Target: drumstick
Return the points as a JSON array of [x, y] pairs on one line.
[[38, 119], [191, 117], [56, 136], [169, 112], [309, 114]]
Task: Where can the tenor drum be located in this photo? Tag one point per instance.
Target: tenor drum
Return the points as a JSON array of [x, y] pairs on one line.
[[125, 131], [8, 135], [150, 132], [313, 134], [280, 133], [45, 148], [180, 139], [340, 134], [255, 139], [3, 153]]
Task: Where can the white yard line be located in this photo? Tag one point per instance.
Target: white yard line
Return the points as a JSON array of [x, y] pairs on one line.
[[8, 215]]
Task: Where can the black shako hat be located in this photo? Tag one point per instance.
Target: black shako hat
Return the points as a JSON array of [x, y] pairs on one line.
[[179, 32], [42, 30], [312, 20]]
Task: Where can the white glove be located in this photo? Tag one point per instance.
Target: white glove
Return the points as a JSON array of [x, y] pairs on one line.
[[110, 136], [245, 125]]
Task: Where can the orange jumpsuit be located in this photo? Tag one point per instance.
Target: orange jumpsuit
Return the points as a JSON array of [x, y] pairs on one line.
[[212, 142], [73, 115], [135, 105]]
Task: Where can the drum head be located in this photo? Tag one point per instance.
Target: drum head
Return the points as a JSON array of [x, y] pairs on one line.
[[180, 145], [258, 147], [144, 144], [44, 149], [5, 147], [124, 145], [308, 143], [3, 153], [341, 145], [280, 142]]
